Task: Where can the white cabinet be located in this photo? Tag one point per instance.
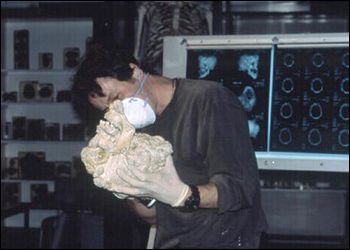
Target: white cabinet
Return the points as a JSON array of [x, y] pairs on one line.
[[52, 45]]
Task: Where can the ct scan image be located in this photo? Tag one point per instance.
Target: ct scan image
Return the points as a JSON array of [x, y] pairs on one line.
[[311, 100], [246, 74]]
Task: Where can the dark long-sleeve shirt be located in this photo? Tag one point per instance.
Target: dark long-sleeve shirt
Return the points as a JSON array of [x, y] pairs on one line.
[[208, 130]]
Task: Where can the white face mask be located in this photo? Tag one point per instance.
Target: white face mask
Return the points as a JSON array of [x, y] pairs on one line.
[[138, 111]]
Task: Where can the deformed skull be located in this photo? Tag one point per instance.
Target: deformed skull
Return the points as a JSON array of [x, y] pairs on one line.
[[248, 98], [117, 146], [249, 64], [206, 65]]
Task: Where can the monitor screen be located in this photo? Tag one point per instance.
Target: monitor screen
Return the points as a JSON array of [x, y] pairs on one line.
[[246, 72]]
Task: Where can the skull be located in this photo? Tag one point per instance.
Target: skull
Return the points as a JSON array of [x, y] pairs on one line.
[[249, 63], [206, 65], [248, 98], [117, 146]]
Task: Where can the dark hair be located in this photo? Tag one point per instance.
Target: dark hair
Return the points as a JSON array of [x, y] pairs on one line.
[[99, 61]]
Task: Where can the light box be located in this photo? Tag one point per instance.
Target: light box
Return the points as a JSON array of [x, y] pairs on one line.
[[294, 88]]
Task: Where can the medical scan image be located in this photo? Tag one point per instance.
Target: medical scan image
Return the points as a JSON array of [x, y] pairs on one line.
[[249, 64], [206, 64], [248, 98], [311, 100], [309, 94], [246, 74]]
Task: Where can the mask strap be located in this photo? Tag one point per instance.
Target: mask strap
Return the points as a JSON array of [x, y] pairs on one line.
[[142, 84], [143, 81]]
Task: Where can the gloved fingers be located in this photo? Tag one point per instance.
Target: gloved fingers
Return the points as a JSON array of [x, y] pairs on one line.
[[121, 196], [129, 191], [169, 160], [128, 179], [99, 182], [169, 168], [169, 163], [141, 176]]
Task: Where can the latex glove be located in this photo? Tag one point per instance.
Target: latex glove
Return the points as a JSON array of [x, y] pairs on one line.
[[164, 185], [122, 196]]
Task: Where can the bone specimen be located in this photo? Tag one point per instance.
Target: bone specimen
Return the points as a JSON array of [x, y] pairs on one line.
[[116, 145]]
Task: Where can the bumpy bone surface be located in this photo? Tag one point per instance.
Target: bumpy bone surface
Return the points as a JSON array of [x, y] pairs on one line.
[[116, 145]]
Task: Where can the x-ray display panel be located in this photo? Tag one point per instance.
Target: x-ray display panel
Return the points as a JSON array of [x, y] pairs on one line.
[[246, 73], [311, 100]]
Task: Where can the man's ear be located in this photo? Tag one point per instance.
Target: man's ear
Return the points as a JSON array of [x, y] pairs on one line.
[[137, 72]]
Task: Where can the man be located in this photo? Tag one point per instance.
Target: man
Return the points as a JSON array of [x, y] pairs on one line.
[[208, 193]]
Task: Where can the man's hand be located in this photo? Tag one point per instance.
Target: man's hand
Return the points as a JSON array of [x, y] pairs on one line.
[[164, 185]]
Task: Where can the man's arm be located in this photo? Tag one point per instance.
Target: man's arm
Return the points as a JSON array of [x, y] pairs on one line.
[[165, 186], [208, 196], [146, 214]]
